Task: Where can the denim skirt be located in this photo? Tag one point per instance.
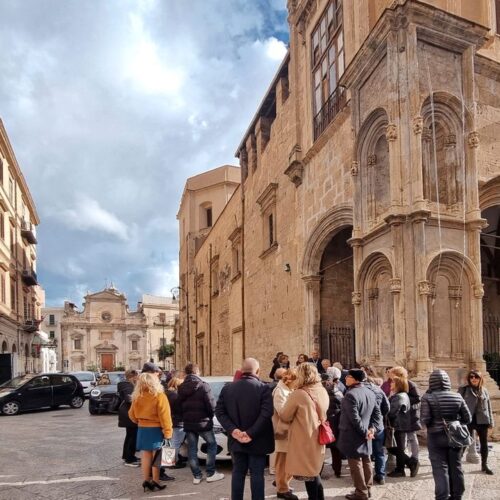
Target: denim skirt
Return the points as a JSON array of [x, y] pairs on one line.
[[149, 438]]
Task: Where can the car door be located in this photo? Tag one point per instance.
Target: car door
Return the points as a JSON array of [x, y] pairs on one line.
[[37, 393], [63, 388]]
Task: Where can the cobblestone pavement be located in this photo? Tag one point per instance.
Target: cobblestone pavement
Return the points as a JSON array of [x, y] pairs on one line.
[[69, 454]]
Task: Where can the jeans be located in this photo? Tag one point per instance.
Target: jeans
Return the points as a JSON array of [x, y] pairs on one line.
[[446, 467], [242, 462], [412, 443], [378, 453], [192, 442], [178, 437], [315, 489]]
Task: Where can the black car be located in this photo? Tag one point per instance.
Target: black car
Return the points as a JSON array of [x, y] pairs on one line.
[[104, 398], [30, 392]]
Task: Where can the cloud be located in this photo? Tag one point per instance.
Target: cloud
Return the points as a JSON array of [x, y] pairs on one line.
[[110, 106]]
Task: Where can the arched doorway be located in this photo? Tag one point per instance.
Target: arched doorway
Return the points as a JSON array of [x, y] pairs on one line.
[[4, 347], [336, 309], [14, 348]]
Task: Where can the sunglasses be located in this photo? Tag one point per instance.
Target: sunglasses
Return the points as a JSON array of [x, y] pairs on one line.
[[474, 376]]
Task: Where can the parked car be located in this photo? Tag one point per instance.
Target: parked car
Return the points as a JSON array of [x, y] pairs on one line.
[[104, 398], [30, 392], [216, 384], [87, 379]]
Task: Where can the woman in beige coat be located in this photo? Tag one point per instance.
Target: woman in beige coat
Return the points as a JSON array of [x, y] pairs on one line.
[[305, 455], [280, 395]]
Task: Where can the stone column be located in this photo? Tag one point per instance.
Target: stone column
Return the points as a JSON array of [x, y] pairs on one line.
[[313, 312]]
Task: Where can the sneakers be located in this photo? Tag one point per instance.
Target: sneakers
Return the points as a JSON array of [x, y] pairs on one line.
[[486, 470], [132, 464], [379, 480], [166, 477], [215, 477], [197, 480]]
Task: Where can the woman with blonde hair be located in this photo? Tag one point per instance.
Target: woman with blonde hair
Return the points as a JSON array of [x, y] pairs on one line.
[[281, 393], [151, 411], [303, 410]]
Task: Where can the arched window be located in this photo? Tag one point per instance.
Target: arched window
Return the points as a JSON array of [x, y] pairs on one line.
[[4, 347]]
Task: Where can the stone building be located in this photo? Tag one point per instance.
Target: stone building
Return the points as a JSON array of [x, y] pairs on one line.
[[105, 335], [51, 325], [21, 297], [368, 212], [160, 313]]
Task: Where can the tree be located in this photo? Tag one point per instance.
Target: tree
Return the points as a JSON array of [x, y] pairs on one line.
[[166, 351]]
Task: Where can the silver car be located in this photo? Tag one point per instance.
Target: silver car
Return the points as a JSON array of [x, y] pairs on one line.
[[87, 379]]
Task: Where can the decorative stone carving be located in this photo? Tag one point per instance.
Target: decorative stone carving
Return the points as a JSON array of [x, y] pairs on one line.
[[354, 168], [479, 291], [395, 284], [473, 139], [426, 135], [425, 288], [450, 140], [312, 282], [455, 292], [373, 293], [356, 298], [391, 132], [372, 160], [418, 125], [295, 169]]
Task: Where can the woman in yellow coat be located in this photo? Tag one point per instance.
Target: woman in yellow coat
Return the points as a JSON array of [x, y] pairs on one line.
[[151, 412], [305, 456]]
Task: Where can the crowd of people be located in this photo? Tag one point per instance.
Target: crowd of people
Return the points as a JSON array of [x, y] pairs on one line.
[[371, 419]]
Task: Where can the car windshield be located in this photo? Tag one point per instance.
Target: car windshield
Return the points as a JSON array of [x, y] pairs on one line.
[[216, 388], [84, 377], [17, 381], [114, 378]]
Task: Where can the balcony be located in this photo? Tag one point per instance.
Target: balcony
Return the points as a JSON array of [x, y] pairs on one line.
[[28, 232], [332, 107], [31, 325], [29, 277]]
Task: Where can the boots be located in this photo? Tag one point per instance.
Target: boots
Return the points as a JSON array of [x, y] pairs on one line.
[[486, 469]]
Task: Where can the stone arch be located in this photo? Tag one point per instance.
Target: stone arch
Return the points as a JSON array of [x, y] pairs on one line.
[[5, 348], [372, 155], [376, 282], [333, 221], [489, 193], [452, 283], [444, 149], [14, 348]]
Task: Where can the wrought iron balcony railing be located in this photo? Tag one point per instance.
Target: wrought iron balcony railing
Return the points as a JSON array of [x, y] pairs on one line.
[[29, 277], [28, 232], [330, 109]]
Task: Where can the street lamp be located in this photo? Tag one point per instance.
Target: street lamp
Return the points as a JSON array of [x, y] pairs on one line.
[[188, 343], [163, 325]]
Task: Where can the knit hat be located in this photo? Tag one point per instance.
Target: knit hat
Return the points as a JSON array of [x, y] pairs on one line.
[[333, 372], [149, 367], [357, 374]]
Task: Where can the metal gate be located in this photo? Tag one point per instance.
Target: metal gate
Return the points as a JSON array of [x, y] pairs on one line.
[[337, 343], [491, 345]]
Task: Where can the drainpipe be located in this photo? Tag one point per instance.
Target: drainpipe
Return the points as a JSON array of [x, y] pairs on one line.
[[243, 342], [210, 312]]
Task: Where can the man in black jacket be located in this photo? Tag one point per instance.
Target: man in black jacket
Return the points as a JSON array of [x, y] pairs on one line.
[[197, 407], [360, 421], [125, 388], [245, 409]]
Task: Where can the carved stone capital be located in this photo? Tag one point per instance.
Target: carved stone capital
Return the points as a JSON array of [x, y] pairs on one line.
[[295, 172], [355, 242], [356, 298], [473, 139], [450, 140], [425, 288], [391, 132], [455, 292], [372, 160], [354, 168], [418, 125], [395, 284], [312, 282], [373, 293], [420, 216], [479, 291], [426, 135], [395, 219]]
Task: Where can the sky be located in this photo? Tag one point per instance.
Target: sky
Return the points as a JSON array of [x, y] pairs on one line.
[[110, 105]]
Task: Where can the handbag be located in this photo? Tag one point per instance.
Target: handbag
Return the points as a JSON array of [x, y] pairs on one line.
[[390, 437], [167, 454], [280, 429], [458, 434], [325, 433]]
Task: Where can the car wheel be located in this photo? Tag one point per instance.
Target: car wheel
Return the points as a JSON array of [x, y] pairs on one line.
[[77, 402], [92, 410], [11, 408]]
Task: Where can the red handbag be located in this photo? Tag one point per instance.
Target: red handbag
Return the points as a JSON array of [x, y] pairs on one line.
[[325, 433]]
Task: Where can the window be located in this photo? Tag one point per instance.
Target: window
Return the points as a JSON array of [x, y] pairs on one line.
[[13, 295], [267, 202], [26, 308], [162, 317], [163, 342], [38, 382], [52, 334], [327, 47], [208, 213], [214, 264], [52, 319], [12, 245], [3, 297], [11, 190], [2, 225], [134, 345], [270, 228], [78, 344]]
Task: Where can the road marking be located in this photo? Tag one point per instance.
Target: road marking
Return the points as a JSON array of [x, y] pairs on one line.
[[62, 480], [177, 495]]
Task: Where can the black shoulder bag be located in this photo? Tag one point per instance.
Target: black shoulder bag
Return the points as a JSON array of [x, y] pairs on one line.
[[458, 434]]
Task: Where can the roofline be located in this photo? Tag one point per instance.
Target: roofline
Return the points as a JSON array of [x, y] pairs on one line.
[[22, 180], [285, 61]]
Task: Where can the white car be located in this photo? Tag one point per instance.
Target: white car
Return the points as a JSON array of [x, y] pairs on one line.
[[87, 379], [216, 384]]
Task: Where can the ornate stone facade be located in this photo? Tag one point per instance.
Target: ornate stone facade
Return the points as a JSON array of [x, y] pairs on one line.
[[379, 253]]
